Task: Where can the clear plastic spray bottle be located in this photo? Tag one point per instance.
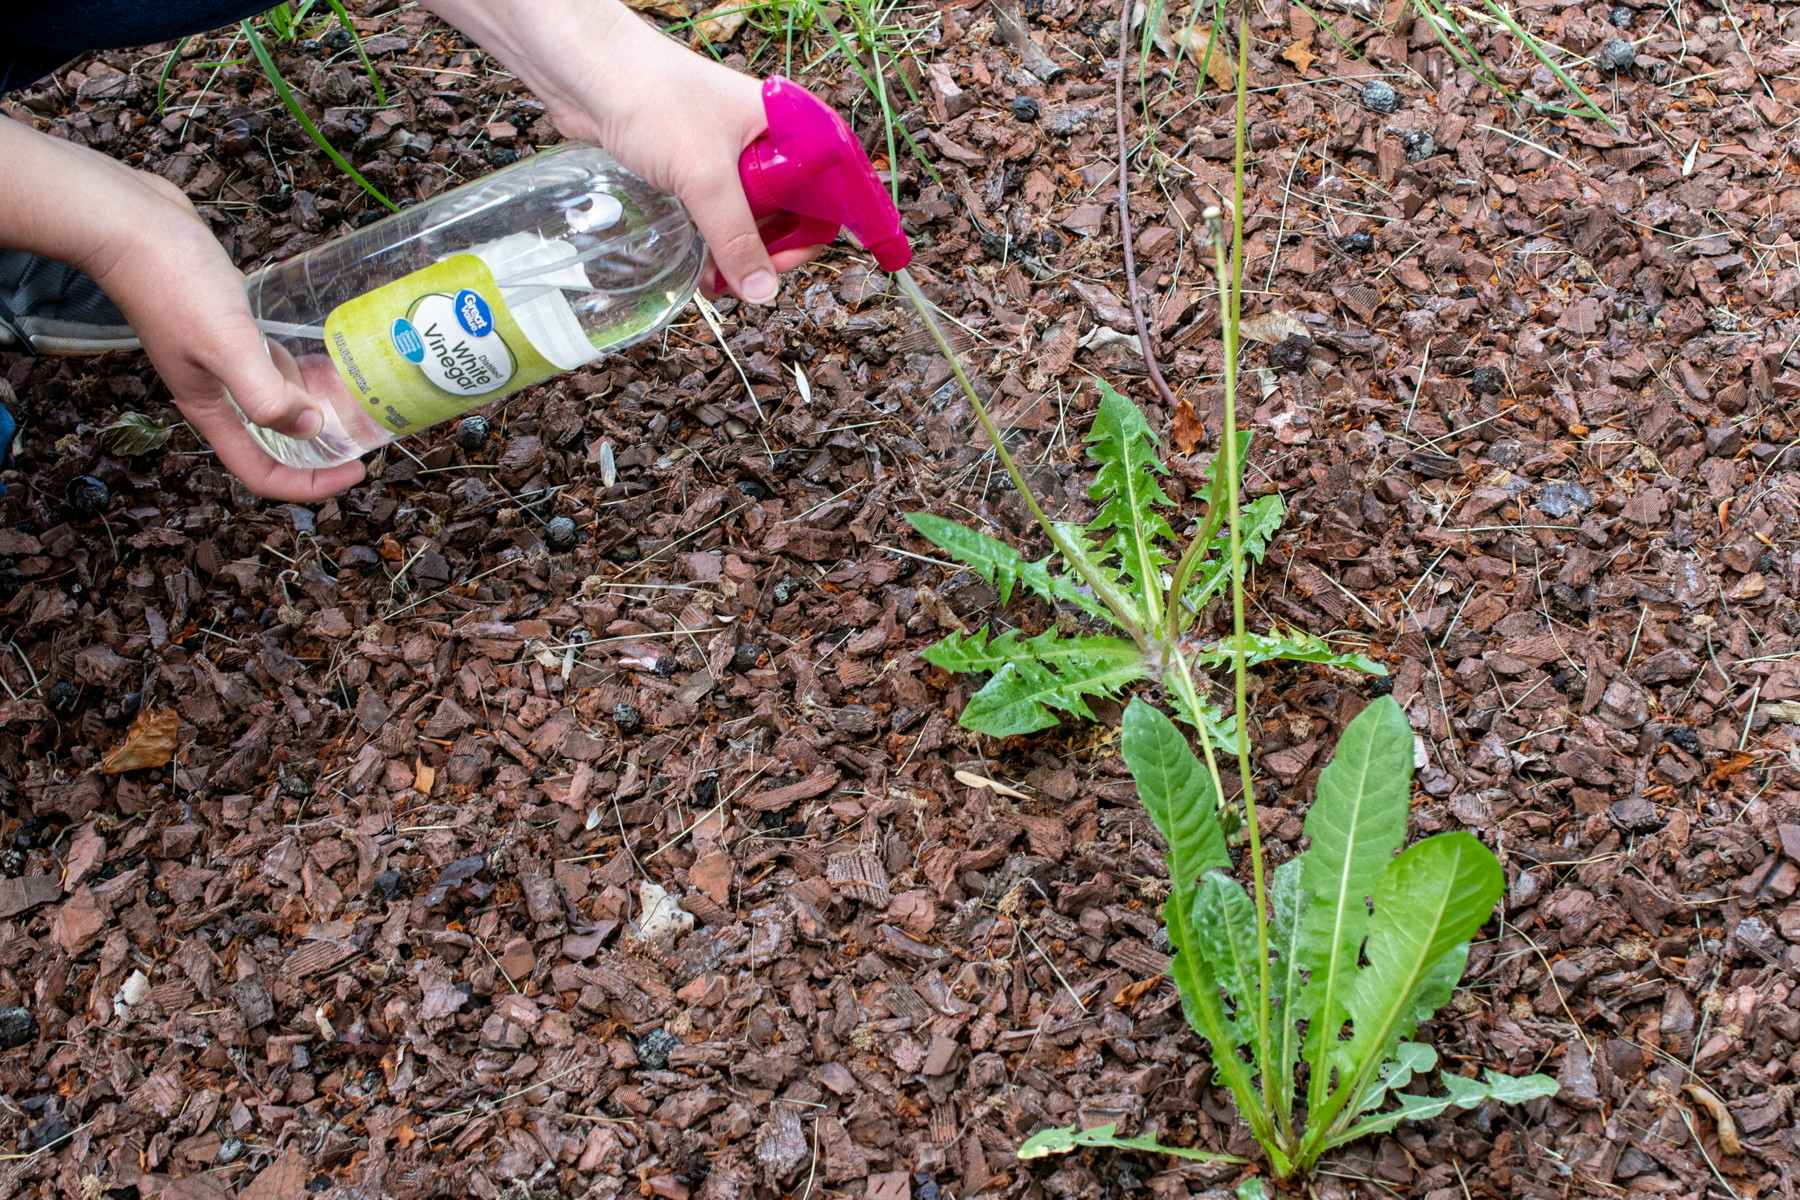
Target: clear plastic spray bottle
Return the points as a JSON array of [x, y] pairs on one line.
[[537, 269]]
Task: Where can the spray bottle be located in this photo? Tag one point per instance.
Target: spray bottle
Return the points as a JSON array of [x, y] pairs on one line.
[[537, 269]]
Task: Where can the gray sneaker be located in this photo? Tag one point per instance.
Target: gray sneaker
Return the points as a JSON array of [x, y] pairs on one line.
[[49, 308]]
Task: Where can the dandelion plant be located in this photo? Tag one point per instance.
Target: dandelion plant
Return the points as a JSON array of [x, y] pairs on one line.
[[1309, 987]]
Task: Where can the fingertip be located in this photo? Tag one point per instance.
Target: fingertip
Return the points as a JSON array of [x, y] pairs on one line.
[[760, 287]]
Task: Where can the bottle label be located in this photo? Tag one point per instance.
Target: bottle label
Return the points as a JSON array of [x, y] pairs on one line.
[[432, 345]]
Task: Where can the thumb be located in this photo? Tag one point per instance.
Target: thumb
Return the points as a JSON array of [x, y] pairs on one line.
[[723, 216], [239, 359]]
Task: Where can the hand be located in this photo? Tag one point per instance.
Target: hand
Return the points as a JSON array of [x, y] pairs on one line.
[[140, 239], [674, 118]]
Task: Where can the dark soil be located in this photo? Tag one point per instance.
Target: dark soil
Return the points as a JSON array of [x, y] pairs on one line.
[[390, 923]]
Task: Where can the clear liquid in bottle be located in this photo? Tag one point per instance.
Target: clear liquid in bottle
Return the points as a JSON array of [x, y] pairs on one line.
[[491, 287]]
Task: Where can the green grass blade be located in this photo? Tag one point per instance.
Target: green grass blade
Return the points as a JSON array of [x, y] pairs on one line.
[[292, 103], [343, 16], [162, 77], [1543, 56]]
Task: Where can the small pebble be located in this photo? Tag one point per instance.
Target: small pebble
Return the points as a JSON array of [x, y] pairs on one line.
[[1621, 17], [654, 1047], [17, 1028], [63, 696], [53, 1130], [1487, 381], [1683, 737], [1360, 242], [1419, 144], [1292, 352], [129, 704], [753, 489], [1024, 108], [561, 534], [1618, 56], [1561, 498], [88, 496], [1381, 685], [231, 1149], [472, 433], [627, 718], [388, 884], [666, 666], [12, 863], [1379, 96], [787, 588], [745, 656]]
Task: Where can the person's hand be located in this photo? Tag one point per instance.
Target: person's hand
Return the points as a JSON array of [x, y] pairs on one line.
[[140, 239], [674, 118]]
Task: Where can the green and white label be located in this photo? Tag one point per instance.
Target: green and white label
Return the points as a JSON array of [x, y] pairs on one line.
[[432, 345]]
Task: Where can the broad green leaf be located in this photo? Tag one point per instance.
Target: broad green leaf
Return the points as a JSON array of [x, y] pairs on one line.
[[1046, 1142], [1252, 1189], [1434, 991], [1357, 821], [1284, 930], [1130, 496], [999, 565], [134, 434], [1429, 900], [1176, 791], [1463, 1093], [1022, 694], [1291, 646], [1225, 934]]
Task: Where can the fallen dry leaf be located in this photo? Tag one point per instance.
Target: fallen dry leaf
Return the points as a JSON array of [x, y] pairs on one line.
[[149, 743], [1186, 428], [1272, 327], [1131, 993], [721, 22], [1301, 55], [982, 781], [1728, 1134], [675, 9], [1221, 64]]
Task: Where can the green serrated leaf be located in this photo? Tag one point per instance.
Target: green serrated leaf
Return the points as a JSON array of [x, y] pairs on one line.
[[1462, 1093], [1131, 499], [1261, 519], [1252, 1189], [1003, 567], [1429, 900], [1067, 1138], [1022, 693], [1087, 560], [1225, 935], [1288, 646], [1357, 821], [134, 434], [1410, 1058], [979, 652]]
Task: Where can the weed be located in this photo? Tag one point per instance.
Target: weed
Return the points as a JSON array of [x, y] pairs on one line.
[[1309, 987]]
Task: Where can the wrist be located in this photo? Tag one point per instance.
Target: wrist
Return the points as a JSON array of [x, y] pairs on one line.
[[575, 55]]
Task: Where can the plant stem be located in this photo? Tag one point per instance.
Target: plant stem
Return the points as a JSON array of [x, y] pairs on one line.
[[1131, 281], [1115, 600], [1231, 289]]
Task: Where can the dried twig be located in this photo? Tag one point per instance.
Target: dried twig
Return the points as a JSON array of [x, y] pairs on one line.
[[1125, 234]]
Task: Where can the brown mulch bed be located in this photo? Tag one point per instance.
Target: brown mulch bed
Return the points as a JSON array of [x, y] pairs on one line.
[[374, 930]]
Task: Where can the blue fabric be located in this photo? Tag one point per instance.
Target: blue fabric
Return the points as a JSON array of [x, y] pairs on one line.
[[38, 36], [9, 428]]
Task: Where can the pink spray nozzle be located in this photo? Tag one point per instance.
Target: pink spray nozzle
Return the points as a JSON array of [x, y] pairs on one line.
[[807, 178]]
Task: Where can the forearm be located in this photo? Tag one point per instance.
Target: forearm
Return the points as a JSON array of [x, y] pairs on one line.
[[49, 193], [573, 54]]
